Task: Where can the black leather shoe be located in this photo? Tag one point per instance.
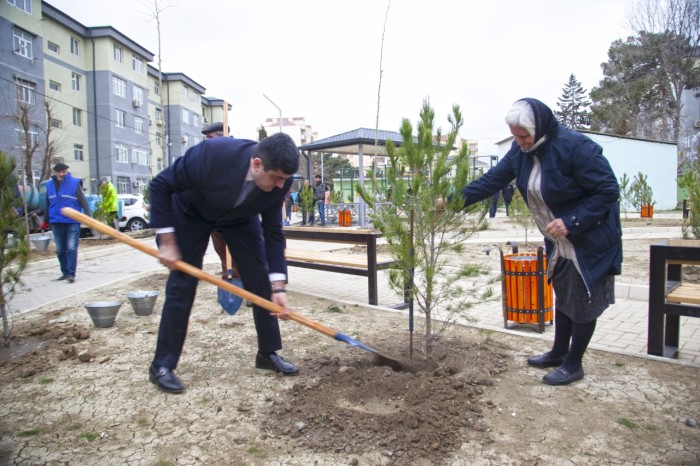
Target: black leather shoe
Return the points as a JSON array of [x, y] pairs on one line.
[[275, 363], [165, 379], [561, 376], [545, 360], [62, 277], [70, 278]]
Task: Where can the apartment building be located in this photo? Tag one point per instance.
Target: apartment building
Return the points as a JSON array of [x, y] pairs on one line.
[[111, 113]]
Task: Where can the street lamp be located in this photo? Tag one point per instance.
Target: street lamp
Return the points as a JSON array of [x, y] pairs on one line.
[[280, 110]]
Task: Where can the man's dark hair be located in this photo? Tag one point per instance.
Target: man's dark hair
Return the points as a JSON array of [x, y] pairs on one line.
[[278, 152], [318, 177]]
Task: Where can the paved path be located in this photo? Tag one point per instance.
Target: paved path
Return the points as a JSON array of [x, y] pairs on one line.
[[622, 328]]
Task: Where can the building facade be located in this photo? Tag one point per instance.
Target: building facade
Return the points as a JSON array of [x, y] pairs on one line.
[[87, 97]]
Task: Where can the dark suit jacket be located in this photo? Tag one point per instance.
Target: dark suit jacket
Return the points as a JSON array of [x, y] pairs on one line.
[[201, 188]]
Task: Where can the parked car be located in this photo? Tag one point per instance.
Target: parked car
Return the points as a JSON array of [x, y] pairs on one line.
[[135, 213]]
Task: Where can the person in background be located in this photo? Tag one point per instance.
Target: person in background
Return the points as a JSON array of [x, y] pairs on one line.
[[65, 191], [573, 194], [216, 130], [110, 204], [320, 196], [494, 204], [237, 187], [507, 194], [288, 208]]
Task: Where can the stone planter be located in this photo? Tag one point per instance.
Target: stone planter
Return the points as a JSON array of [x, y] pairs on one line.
[[103, 313], [142, 302]]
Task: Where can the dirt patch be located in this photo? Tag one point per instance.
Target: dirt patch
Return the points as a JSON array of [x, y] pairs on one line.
[[82, 396]]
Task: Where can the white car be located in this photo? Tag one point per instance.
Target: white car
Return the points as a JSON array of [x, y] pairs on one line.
[[135, 212]]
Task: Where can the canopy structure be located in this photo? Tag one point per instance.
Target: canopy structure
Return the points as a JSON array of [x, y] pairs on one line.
[[361, 142]]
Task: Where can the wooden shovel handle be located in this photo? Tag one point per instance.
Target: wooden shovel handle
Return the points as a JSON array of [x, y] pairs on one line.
[[195, 272]]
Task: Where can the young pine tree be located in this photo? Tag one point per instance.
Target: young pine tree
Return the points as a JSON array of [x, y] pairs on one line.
[[573, 105], [14, 247], [424, 240]]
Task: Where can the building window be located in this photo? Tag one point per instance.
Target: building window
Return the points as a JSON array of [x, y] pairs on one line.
[[118, 52], [122, 153], [123, 185], [53, 47], [185, 140], [138, 96], [78, 153], [74, 46], [159, 114], [159, 141], [24, 5], [140, 156], [58, 124], [195, 140], [26, 91], [159, 164], [136, 64], [22, 43], [138, 125], [156, 89], [33, 136], [118, 86], [195, 120], [77, 117], [54, 86], [75, 81], [185, 116], [184, 92], [120, 118]]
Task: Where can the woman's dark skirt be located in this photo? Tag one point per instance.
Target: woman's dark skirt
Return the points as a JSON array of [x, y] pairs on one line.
[[571, 295]]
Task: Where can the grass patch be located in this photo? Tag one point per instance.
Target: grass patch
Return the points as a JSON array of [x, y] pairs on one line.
[[627, 423], [45, 381], [28, 433], [89, 436], [256, 452], [335, 309]]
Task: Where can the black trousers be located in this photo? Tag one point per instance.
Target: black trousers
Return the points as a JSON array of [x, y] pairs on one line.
[[245, 241]]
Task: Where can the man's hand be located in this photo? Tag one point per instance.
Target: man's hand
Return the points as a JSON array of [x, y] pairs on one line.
[[168, 252], [280, 298]]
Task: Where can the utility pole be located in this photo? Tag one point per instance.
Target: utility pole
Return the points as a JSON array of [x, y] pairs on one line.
[[280, 111]]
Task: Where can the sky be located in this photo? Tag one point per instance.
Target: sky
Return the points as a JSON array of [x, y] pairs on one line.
[[320, 59]]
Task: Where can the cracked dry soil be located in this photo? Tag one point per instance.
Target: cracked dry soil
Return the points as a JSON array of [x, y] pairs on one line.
[[74, 394]]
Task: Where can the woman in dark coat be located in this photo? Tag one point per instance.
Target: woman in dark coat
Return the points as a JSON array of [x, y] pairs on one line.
[[573, 194]]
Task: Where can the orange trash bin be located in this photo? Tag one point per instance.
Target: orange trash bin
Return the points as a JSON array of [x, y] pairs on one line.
[[527, 297]]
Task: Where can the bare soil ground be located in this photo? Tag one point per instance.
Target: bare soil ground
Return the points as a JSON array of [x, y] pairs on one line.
[[71, 393]]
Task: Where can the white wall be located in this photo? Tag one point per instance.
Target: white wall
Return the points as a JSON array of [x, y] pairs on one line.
[[656, 160]]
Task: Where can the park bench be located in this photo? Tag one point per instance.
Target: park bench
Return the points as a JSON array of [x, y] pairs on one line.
[[366, 265], [669, 297]]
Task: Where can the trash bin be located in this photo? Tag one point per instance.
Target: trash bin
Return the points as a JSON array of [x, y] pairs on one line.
[[527, 297]]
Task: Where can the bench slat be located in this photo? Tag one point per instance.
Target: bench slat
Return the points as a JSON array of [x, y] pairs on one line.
[[334, 258], [685, 293]]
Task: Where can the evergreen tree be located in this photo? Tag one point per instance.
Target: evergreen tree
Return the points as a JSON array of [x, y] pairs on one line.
[[573, 105], [425, 240]]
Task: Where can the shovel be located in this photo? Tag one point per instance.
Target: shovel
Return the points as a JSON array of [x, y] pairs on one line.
[[193, 271], [229, 302]]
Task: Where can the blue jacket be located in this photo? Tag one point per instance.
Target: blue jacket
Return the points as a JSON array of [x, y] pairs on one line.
[[578, 186], [65, 196], [202, 186]]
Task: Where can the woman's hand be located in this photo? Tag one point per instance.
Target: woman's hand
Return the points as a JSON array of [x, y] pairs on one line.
[[557, 229]]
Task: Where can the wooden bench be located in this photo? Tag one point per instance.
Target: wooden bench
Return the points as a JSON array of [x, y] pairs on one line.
[[366, 265], [669, 297]]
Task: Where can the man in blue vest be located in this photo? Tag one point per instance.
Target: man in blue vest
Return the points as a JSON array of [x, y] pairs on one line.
[[65, 191]]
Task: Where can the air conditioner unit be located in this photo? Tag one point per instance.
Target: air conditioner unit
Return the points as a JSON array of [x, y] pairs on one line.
[[159, 121], [150, 122], [136, 183], [184, 140], [137, 103], [697, 123], [205, 120]]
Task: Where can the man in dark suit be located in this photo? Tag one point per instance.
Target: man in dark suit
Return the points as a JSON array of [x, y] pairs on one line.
[[237, 187]]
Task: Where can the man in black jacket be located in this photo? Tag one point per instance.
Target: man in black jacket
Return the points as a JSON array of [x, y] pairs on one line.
[[237, 187]]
